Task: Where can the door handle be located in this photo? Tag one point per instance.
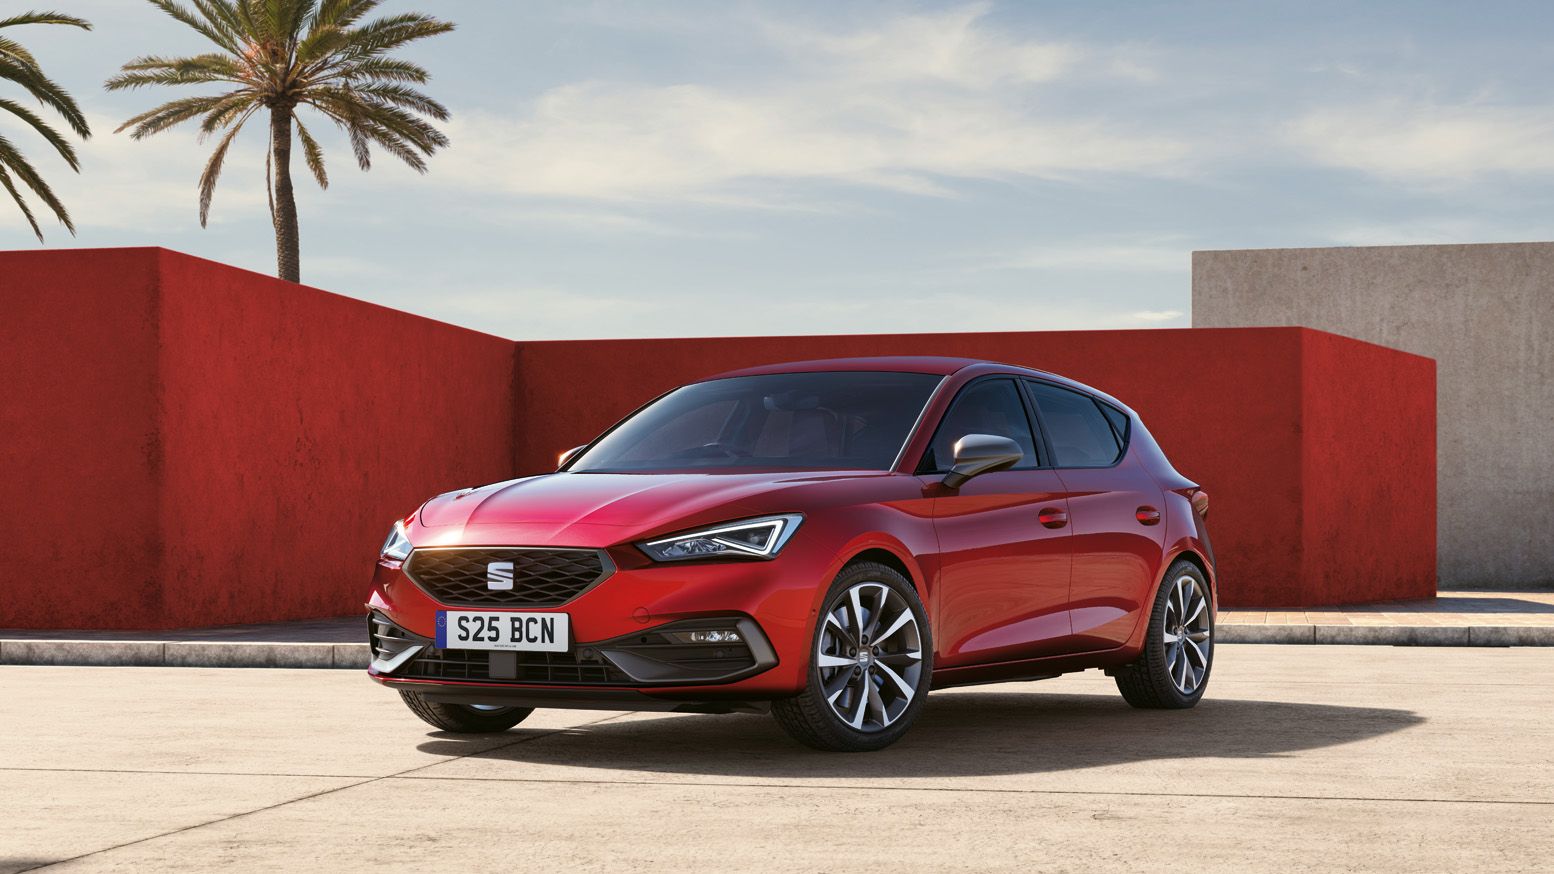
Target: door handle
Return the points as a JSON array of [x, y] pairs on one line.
[[1052, 517], [1147, 516]]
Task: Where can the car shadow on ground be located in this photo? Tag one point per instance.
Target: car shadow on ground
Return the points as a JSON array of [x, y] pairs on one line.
[[958, 734]]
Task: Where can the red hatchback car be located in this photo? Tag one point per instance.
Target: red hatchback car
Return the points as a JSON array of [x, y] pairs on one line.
[[827, 540]]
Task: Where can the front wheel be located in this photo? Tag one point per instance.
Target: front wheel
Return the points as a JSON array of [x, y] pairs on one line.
[[872, 660], [464, 718], [1173, 670]]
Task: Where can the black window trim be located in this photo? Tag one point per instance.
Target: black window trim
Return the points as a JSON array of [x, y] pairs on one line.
[[1035, 411], [1038, 440]]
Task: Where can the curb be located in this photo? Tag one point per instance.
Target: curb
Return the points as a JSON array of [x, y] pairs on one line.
[[1389, 635], [355, 656], [184, 654]]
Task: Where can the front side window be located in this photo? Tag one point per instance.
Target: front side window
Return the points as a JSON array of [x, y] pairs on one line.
[[991, 406], [1079, 432], [785, 421]]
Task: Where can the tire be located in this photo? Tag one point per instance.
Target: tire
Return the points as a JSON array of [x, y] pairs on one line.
[[462, 718], [896, 659], [1173, 670]]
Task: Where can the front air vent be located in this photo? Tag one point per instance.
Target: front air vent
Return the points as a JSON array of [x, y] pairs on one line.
[[507, 576]]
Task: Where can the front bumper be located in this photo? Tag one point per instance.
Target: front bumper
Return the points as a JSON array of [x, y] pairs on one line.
[[626, 650]]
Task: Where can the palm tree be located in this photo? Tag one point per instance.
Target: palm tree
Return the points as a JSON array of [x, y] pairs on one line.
[[19, 66], [281, 55]]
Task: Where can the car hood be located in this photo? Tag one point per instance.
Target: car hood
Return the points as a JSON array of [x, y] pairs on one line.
[[601, 509]]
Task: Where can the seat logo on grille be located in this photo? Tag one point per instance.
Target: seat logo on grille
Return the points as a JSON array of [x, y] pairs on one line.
[[499, 576]]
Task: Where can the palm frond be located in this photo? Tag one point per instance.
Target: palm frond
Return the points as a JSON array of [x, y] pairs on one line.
[[15, 51], [46, 18], [382, 70], [21, 202], [60, 144], [170, 114], [223, 111], [401, 96], [12, 160], [195, 70], [202, 21], [313, 155], [47, 92], [213, 167]]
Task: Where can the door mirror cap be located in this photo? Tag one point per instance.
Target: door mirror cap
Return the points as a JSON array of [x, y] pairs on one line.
[[561, 460], [976, 454]]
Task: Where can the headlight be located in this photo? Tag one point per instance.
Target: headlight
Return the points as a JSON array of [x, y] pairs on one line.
[[397, 546], [755, 538]]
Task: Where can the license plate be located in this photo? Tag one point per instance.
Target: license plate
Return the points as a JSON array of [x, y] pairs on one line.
[[521, 632]]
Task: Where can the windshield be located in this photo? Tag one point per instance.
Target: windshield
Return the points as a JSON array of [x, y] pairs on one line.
[[796, 421]]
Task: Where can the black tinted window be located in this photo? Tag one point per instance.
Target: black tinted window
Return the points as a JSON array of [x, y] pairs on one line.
[[989, 407], [1119, 421], [1079, 432], [801, 421]]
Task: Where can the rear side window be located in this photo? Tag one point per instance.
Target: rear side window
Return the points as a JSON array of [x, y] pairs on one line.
[[1119, 421], [1078, 430], [991, 406]]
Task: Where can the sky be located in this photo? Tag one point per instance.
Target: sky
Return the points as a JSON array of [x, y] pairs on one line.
[[745, 168]]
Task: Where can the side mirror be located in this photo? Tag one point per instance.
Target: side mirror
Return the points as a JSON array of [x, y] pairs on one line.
[[561, 460], [976, 454]]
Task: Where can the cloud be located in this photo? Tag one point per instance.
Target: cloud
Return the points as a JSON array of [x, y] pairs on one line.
[[908, 106], [1149, 255], [1159, 315], [1426, 142], [152, 184], [952, 46]]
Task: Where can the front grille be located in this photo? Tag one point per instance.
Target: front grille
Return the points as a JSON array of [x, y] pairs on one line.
[[541, 577], [533, 667]]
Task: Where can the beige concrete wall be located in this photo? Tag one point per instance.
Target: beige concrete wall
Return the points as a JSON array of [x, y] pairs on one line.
[[1486, 314]]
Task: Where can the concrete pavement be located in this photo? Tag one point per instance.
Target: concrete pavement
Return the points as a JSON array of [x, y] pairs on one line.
[[1321, 758]]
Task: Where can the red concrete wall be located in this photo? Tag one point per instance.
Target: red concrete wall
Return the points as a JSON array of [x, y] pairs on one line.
[[1369, 432], [185, 443], [79, 450], [1249, 413], [275, 432]]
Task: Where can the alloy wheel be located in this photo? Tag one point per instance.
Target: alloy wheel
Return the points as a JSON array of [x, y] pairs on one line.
[[870, 656], [1187, 634]]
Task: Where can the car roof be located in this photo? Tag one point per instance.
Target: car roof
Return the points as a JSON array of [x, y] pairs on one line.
[[934, 364], [931, 364]]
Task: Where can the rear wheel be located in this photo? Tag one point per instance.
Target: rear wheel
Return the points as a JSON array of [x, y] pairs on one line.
[[872, 659], [1173, 670], [464, 718]]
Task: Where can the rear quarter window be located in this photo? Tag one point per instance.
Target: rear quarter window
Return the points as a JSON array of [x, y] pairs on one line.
[[1079, 431]]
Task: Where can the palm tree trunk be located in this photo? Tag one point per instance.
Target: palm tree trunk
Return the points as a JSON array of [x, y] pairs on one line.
[[288, 239]]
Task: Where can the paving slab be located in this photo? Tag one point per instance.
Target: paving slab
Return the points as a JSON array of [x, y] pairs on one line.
[[1355, 758]]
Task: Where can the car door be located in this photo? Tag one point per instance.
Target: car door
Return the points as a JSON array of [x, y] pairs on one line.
[[1115, 510], [1003, 586]]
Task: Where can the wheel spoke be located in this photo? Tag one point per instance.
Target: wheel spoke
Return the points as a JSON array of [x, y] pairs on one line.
[[877, 613], [837, 686], [1171, 638], [860, 700], [1198, 636], [907, 692], [1198, 611], [1193, 648], [900, 623], [876, 703], [832, 661], [900, 658], [857, 629]]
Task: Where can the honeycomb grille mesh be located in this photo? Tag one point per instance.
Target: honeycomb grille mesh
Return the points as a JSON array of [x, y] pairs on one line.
[[540, 577]]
